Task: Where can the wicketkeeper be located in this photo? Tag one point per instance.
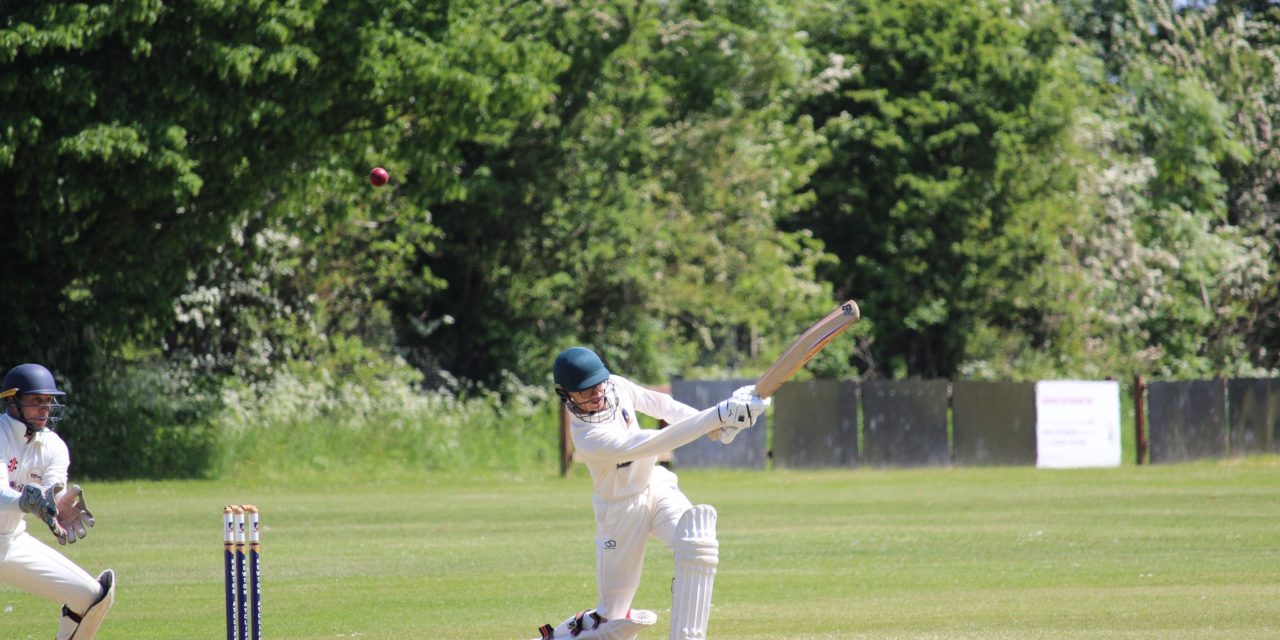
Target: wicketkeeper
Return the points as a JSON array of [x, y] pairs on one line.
[[634, 497], [36, 462]]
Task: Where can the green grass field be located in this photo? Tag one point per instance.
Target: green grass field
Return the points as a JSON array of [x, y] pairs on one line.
[[1188, 551]]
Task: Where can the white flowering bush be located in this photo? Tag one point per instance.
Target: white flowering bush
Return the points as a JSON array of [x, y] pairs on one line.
[[314, 420]]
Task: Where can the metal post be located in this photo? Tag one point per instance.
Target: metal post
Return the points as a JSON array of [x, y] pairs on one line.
[[1139, 418], [566, 443]]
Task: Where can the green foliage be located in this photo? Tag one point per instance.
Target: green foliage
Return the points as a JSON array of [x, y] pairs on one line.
[[943, 193], [1178, 255], [351, 409], [639, 217], [1009, 189], [324, 418], [142, 421], [138, 137]]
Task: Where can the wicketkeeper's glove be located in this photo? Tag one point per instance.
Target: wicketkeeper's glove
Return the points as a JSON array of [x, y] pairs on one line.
[[40, 503], [73, 515]]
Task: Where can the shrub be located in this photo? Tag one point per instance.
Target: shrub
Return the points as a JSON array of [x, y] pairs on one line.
[[142, 420], [307, 421]]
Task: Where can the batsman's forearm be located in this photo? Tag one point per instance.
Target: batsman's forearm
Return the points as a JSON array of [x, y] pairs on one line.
[[662, 406], [651, 442]]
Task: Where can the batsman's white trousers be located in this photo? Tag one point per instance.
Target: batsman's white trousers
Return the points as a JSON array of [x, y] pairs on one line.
[[34, 567], [622, 529]]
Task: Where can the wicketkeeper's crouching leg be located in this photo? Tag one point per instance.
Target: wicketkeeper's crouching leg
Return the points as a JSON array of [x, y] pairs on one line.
[[589, 626], [84, 626], [697, 553]]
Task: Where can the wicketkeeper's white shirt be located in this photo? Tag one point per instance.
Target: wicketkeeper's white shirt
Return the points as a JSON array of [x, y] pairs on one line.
[[42, 461]]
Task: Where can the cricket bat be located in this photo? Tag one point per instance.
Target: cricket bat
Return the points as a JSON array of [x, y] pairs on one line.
[[809, 344]]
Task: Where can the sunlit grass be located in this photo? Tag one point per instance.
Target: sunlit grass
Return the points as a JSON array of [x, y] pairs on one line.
[[1184, 551]]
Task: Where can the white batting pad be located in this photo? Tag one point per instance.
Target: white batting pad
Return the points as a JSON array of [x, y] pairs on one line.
[[87, 626], [697, 553], [585, 626]]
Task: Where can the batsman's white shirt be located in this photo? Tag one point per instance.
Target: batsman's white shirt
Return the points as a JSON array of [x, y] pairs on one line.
[[634, 497], [25, 562], [620, 455]]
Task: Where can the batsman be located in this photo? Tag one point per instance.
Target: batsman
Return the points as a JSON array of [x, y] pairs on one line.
[[635, 498], [36, 464]]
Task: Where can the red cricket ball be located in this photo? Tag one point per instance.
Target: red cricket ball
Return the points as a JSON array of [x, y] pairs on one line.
[[378, 176]]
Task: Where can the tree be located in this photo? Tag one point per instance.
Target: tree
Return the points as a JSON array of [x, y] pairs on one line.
[[1181, 258], [945, 194], [141, 135], [640, 216]]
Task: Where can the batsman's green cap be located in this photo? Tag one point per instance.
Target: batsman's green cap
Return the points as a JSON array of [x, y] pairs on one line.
[[578, 368]]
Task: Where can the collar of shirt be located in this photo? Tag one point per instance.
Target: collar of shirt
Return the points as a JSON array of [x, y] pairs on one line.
[[20, 430], [13, 425]]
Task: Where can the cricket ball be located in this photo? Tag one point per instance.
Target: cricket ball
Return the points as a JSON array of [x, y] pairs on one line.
[[378, 176]]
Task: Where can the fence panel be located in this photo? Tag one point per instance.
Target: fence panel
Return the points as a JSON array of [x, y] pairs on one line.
[[1249, 415], [993, 423], [1187, 420], [815, 424], [904, 423]]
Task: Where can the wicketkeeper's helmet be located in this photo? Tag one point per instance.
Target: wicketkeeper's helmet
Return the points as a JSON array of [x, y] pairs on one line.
[[27, 379], [31, 378]]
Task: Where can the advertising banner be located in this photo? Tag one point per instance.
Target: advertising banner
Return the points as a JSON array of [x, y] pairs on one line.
[[1077, 424]]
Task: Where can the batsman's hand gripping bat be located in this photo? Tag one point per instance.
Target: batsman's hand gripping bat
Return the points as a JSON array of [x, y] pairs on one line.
[[809, 344]]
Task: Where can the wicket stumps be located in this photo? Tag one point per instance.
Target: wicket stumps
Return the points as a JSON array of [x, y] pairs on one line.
[[241, 571]]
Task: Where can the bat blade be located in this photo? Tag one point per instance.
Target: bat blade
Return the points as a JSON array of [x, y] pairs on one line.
[[809, 344]]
